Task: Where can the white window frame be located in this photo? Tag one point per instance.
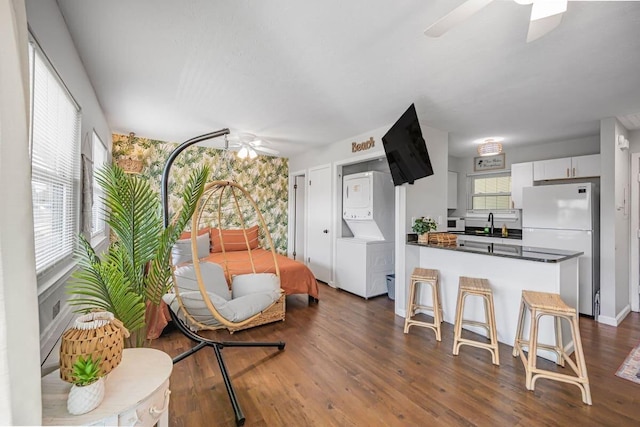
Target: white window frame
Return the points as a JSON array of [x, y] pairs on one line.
[[471, 194], [100, 156], [54, 267]]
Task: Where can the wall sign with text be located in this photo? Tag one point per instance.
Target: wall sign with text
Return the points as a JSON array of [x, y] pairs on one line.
[[362, 146], [488, 163]]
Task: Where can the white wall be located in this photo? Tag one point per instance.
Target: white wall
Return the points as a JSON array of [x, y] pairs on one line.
[[614, 224], [19, 344], [339, 151], [49, 29]]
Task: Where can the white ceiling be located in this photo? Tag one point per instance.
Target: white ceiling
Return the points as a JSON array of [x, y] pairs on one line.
[[303, 73]]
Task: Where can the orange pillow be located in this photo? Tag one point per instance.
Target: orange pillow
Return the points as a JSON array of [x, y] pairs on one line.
[[187, 234], [234, 239]]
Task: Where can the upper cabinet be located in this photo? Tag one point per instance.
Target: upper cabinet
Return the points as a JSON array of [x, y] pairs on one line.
[[521, 177], [452, 190], [567, 168]]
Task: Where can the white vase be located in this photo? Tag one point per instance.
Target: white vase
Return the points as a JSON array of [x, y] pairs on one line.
[[84, 399]]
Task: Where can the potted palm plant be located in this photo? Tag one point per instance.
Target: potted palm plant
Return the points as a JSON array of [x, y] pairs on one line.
[[130, 279]]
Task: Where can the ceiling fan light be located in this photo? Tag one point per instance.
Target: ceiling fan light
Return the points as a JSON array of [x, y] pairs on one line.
[[490, 148], [252, 153], [243, 153]]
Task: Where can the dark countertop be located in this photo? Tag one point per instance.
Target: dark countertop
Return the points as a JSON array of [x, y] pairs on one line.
[[527, 253]]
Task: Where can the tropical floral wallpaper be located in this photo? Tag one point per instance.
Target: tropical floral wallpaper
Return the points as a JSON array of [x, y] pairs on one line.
[[265, 178]]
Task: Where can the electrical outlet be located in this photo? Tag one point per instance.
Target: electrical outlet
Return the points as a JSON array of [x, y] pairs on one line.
[[439, 219], [413, 220], [56, 309]]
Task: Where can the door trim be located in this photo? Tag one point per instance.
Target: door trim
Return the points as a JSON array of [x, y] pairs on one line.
[[292, 210], [332, 239], [634, 265], [336, 189]]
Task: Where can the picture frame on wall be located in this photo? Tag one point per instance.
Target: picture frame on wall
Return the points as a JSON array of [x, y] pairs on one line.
[[487, 163]]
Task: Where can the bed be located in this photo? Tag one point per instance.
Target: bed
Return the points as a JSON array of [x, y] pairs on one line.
[[295, 277]]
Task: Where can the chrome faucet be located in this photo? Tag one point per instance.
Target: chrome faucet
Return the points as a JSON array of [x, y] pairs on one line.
[[490, 219]]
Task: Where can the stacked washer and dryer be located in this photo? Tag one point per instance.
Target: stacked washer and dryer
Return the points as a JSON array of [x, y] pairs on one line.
[[365, 260]]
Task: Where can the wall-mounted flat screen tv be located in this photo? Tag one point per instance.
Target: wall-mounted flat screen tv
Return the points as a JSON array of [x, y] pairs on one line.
[[406, 149]]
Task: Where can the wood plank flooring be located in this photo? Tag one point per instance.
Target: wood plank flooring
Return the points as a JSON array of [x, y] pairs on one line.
[[347, 362]]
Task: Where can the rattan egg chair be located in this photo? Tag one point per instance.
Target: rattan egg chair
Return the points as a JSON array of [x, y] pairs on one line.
[[243, 253], [196, 307]]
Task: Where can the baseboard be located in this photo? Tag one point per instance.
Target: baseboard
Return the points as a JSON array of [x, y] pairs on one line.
[[615, 321]]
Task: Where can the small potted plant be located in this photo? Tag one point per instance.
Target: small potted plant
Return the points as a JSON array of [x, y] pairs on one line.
[[87, 390], [422, 226]]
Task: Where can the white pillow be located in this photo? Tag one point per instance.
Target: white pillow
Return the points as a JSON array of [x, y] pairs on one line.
[[248, 284], [181, 251], [212, 277]]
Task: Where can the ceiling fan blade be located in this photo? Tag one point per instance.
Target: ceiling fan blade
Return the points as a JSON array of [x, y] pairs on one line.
[[456, 16], [545, 16]]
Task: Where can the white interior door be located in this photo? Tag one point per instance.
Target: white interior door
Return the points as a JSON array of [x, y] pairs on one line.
[[318, 254]]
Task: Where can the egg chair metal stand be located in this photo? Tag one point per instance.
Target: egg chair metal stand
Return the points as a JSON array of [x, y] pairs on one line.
[[202, 342]]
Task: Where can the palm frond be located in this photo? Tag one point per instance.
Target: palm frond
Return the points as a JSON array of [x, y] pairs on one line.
[[102, 284], [157, 282]]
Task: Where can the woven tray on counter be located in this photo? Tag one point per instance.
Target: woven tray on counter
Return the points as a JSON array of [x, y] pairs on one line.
[[443, 238]]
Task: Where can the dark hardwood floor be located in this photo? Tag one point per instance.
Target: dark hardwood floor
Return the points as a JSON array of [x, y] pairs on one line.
[[347, 362]]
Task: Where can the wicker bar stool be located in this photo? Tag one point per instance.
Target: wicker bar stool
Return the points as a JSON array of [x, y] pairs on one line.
[[549, 304], [429, 277], [468, 286]]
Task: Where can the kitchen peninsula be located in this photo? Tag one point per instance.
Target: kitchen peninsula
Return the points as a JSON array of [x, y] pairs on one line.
[[509, 269]]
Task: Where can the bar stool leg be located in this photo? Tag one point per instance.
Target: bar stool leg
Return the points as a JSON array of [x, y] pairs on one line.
[[560, 341], [519, 330], [582, 366], [458, 324], [437, 313], [493, 334], [533, 348], [410, 309]]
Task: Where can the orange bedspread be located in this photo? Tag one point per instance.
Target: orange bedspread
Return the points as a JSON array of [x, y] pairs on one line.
[[295, 277]]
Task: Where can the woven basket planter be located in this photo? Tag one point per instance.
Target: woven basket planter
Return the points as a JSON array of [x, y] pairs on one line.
[[98, 335]]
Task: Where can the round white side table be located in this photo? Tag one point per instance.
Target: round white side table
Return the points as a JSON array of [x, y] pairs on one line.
[[136, 393]]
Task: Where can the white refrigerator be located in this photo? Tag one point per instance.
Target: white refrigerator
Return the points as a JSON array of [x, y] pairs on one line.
[[567, 217]]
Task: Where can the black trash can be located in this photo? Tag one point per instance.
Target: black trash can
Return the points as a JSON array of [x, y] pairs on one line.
[[391, 286]]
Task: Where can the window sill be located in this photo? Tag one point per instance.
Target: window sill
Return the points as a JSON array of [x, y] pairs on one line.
[[51, 283]]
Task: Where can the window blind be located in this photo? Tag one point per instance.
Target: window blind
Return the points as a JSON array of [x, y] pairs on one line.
[[491, 192], [97, 210], [55, 180]]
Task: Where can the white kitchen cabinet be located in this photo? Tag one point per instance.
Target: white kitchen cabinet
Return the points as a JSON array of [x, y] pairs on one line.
[[521, 177], [552, 169], [452, 190], [586, 166], [567, 168]]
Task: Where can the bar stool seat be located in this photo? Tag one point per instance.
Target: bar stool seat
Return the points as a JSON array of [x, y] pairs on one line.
[[472, 286], [429, 277], [540, 304]]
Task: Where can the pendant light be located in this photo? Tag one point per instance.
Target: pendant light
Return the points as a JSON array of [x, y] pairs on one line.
[[490, 146]]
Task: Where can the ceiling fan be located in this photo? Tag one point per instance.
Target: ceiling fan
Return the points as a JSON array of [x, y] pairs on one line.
[[545, 16], [249, 145]]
